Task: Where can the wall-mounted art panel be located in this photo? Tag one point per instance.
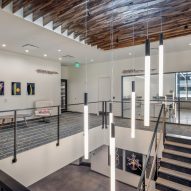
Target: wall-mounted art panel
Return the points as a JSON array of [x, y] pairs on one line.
[[134, 162], [16, 88], [31, 88], [118, 157], [2, 88]]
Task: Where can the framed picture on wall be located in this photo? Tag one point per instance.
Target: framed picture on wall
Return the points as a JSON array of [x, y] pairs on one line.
[[134, 162], [118, 158], [16, 88], [2, 88], [31, 88]]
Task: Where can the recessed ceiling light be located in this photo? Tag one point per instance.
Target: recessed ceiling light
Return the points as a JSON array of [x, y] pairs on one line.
[[4, 45], [189, 44], [45, 55], [130, 53], [59, 50], [26, 51], [60, 59], [92, 60]]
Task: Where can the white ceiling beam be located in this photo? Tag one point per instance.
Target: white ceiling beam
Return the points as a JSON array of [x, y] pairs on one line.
[[19, 13], [9, 7], [58, 30], [49, 25], [29, 17], [39, 21]]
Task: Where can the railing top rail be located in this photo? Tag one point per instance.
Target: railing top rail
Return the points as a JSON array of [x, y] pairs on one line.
[[150, 149], [33, 108]]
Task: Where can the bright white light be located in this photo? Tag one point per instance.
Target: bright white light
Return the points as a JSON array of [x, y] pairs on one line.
[[161, 67], [27, 51], [133, 115], [86, 134], [59, 50], [110, 123], [4, 45], [60, 59], [189, 44], [147, 91], [45, 55], [112, 164]]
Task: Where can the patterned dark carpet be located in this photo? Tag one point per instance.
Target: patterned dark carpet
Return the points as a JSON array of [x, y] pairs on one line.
[[39, 133]]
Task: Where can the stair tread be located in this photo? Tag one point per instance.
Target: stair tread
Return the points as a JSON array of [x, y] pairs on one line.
[[179, 136], [175, 173], [175, 162], [177, 153], [173, 185], [178, 144]]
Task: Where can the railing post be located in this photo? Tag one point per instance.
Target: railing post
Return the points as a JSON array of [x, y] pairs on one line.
[[143, 189], [15, 138], [106, 114], [103, 114], [58, 126], [179, 109], [164, 125]]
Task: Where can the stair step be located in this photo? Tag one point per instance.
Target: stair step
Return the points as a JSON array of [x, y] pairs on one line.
[[176, 165], [178, 138], [171, 145], [177, 155], [166, 185], [175, 176]]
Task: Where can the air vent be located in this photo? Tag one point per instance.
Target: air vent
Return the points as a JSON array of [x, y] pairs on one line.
[[30, 46]]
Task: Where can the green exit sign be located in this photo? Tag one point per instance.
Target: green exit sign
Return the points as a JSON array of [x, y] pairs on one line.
[[77, 65]]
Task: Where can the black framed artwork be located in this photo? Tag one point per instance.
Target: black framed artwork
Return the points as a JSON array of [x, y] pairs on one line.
[[2, 88], [31, 88], [16, 88], [133, 162], [118, 158]]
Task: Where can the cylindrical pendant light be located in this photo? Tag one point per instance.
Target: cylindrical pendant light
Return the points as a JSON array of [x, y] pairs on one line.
[[161, 65], [112, 158], [147, 84], [110, 122], [86, 128], [133, 102]]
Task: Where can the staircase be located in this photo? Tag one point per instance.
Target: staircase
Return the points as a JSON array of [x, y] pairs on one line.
[[175, 166]]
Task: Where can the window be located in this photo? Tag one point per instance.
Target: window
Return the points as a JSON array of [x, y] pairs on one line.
[[183, 85]]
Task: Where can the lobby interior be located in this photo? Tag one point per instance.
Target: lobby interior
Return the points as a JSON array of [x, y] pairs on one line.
[[95, 95]]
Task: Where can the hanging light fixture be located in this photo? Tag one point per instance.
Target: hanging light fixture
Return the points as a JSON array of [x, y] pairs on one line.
[[133, 110], [111, 123], [161, 62], [112, 158], [147, 79], [86, 116]]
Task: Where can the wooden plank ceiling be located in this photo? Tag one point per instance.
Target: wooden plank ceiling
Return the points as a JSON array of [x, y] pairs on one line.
[[126, 14]]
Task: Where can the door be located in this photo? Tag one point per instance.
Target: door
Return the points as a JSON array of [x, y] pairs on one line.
[[63, 95]]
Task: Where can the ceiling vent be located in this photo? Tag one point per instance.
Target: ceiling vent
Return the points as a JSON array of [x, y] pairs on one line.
[[68, 56], [30, 46]]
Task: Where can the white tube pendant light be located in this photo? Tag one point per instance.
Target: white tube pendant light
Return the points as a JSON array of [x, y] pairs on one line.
[[161, 65], [86, 116], [147, 84], [112, 158], [110, 122], [133, 102], [86, 128]]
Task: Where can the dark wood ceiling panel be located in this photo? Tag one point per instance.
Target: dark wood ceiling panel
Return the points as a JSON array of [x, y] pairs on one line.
[[71, 16]]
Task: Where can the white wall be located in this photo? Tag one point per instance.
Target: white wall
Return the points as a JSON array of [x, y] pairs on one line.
[[20, 68], [64, 72], [177, 61], [40, 162], [99, 160]]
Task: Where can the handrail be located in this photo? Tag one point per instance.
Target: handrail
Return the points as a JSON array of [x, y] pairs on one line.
[[150, 148]]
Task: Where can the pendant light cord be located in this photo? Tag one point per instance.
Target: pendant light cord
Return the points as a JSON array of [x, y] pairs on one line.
[[112, 53], [147, 20], [86, 59]]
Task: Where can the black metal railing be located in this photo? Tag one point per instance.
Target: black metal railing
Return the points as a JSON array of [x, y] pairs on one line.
[[14, 116], [141, 184]]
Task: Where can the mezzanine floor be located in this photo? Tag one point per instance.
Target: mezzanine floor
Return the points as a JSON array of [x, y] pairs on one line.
[[39, 133]]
